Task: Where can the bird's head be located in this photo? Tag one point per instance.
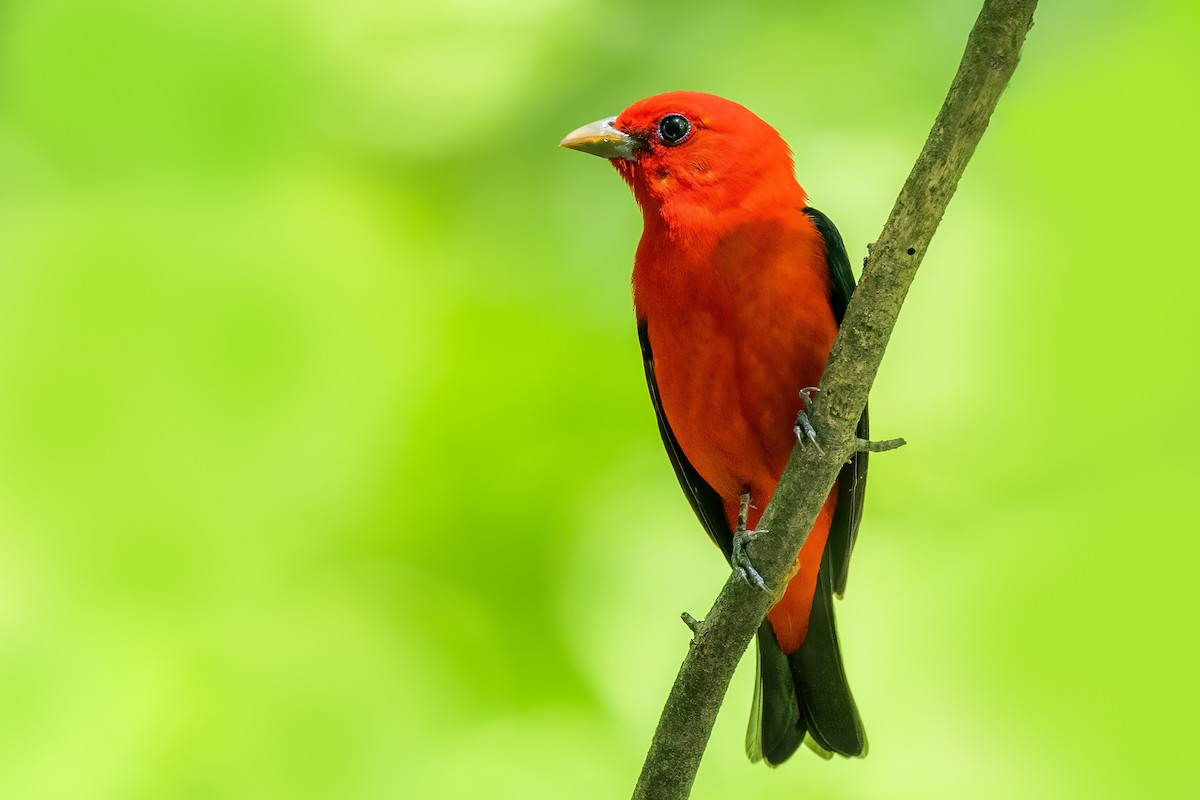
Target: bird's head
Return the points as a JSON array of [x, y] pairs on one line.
[[690, 156]]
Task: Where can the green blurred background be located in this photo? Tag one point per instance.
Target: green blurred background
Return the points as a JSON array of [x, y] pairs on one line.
[[326, 464]]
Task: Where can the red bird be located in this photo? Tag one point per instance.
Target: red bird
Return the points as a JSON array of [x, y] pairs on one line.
[[739, 288]]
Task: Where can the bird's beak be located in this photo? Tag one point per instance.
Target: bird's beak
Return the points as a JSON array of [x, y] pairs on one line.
[[600, 138]]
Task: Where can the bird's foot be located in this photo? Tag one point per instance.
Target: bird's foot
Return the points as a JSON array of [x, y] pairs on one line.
[[804, 429], [741, 537]]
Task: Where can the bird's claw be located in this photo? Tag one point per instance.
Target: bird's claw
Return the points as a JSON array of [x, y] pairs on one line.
[[739, 558], [804, 428]]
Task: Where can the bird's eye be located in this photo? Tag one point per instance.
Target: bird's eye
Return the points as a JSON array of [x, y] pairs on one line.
[[673, 128]]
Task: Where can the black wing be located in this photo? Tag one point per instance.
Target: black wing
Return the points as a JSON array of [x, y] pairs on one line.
[[852, 481], [704, 499]]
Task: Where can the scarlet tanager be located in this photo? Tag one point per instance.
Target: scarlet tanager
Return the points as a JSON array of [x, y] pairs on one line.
[[739, 288]]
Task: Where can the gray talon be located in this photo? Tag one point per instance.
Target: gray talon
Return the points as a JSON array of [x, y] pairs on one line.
[[740, 558], [741, 561], [804, 428]]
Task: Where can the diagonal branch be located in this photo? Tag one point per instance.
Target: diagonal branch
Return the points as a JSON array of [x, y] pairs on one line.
[[992, 51]]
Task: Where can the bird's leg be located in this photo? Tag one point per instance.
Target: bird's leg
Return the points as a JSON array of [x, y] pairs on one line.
[[804, 428], [741, 537]]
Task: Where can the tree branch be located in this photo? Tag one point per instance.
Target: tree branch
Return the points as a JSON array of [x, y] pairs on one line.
[[992, 51]]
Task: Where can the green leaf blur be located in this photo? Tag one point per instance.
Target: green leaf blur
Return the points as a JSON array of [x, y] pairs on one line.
[[326, 465]]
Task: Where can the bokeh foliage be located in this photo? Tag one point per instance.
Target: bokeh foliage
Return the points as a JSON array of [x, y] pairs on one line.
[[326, 466]]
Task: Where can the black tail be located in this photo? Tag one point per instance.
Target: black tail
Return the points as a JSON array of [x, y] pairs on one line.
[[805, 697]]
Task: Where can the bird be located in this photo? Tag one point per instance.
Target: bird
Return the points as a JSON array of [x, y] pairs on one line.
[[739, 288]]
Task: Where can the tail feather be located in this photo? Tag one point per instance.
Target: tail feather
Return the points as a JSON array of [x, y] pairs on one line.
[[776, 728], [805, 697], [821, 687]]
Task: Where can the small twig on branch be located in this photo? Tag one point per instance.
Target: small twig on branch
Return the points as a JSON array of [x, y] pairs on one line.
[[991, 55], [863, 446]]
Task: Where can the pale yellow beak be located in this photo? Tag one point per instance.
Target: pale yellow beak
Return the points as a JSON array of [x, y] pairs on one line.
[[600, 138]]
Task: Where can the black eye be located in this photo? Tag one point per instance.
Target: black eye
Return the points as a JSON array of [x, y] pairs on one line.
[[673, 128]]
